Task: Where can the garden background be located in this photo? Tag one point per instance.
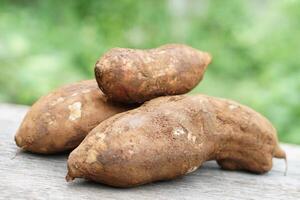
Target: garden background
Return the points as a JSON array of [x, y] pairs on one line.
[[255, 46]]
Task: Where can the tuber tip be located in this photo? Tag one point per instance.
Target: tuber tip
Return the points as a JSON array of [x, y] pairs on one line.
[[208, 58], [69, 177], [279, 153], [286, 166]]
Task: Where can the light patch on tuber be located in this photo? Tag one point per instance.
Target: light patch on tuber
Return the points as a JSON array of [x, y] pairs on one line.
[[161, 52], [86, 91], [75, 111], [58, 100], [101, 136], [136, 121], [178, 131], [148, 59], [92, 156], [191, 137], [140, 76], [232, 107], [50, 119], [130, 151], [192, 169]]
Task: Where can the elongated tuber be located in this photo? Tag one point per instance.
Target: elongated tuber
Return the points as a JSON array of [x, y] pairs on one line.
[[133, 75], [60, 120], [171, 136]]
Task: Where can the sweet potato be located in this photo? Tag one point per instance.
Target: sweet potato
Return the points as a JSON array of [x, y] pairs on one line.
[[61, 120], [133, 75], [171, 136]]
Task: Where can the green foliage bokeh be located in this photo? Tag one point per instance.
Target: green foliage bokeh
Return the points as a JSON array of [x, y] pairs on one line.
[[255, 46]]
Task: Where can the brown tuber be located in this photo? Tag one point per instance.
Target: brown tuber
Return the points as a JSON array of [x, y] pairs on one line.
[[134, 76], [171, 136], [60, 120]]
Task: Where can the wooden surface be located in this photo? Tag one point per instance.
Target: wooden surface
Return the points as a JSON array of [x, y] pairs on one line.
[[30, 176]]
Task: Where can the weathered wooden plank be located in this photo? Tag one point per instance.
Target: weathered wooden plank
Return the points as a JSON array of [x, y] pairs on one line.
[[30, 176]]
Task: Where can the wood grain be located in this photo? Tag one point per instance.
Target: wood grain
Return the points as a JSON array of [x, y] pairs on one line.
[[30, 176]]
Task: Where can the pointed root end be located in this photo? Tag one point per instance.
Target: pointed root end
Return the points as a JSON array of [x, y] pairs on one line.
[[69, 177], [279, 153]]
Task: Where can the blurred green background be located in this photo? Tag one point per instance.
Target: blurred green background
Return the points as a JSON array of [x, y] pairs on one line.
[[255, 46]]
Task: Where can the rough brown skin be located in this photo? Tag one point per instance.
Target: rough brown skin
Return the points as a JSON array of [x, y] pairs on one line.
[[60, 121], [133, 75], [171, 136]]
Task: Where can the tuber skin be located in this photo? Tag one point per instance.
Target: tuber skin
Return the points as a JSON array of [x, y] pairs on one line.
[[60, 121], [134, 75], [171, 136]]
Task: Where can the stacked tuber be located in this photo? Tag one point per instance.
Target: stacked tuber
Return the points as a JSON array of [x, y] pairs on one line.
[[60, 120], [135, 76], [169, 135]]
